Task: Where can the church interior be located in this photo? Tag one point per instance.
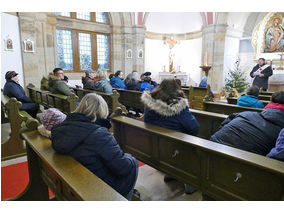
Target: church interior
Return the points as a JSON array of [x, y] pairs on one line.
[[214, 59]]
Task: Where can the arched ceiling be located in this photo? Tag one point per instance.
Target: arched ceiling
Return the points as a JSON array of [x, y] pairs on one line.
[[160, 22]]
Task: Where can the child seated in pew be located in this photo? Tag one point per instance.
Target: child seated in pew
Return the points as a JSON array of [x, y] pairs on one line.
[[253, 131], [203, 83], [91, 144], [278, 151], [48, 119], [146, 84], [167, 107], [251, 98]]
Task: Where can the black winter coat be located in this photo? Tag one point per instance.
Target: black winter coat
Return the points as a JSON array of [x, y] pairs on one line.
[[94, 147], [251, 131], [14, 90], [261, 81]]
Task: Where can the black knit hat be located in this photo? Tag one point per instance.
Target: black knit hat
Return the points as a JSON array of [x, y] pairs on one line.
[[10, 74], [147, 73]]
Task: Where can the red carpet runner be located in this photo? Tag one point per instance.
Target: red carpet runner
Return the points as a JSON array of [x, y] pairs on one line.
[[15, 178]]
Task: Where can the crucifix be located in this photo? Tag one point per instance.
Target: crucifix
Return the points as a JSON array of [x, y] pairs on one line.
[[171, 44], [281, 61]]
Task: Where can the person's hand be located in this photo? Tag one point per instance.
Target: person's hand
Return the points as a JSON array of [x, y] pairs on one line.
[[261, 75]]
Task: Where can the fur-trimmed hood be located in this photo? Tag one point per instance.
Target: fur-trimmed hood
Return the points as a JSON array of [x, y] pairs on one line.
[[162, 107]]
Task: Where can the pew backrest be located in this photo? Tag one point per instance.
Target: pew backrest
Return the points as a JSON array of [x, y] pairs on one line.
[[196, 96], [233, 100], [220, 172], [131, 98]]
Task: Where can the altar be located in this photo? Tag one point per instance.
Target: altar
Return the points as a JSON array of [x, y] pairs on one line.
[[276, 81], [182, 76]]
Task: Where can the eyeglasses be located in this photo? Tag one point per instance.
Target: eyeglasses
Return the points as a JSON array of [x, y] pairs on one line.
[[60, 73]]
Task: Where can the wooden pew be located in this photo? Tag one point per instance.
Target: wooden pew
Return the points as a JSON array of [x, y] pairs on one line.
[[66, 177], [220, 172], [14, 147], [4, 113], [196, 96], [233, 100], [111, 99], [227, 109], [131, 98], [261, 92], [66, 104], [264, 97]]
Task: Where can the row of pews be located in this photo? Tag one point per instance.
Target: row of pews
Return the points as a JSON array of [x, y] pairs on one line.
[[219, 171]]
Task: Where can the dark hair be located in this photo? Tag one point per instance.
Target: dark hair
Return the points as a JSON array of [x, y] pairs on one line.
[[278, 97], [168, 91], [262, 59], [253, 90], [56, 70], [65, 78], [147, 79], [110, 76], [117, 73]]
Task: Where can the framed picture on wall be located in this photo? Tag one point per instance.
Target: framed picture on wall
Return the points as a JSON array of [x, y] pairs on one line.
[[29, 46], [8, 44], [129, 53], [140, 53]]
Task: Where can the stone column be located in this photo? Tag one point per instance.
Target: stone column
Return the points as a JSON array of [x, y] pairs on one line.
[[139, 44]]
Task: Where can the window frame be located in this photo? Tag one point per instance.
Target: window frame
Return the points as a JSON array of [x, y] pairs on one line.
[[76, 49], [93, 17]]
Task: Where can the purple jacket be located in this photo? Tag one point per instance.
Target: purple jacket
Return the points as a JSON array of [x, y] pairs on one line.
[[278, 151]]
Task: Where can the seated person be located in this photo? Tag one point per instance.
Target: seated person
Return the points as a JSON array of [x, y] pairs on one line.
[[251, 98], [110, 77], [117, 80], [253, 131], [131, 81], [146, 83], [13, 89], [148, 74], [88, 80], [103, 85], [57, 84], [167, 107], [49, 118], [203, 83], [94, 146], [278, 151]]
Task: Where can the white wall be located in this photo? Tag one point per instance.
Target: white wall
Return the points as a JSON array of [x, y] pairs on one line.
[[187, 55], [11, 60]]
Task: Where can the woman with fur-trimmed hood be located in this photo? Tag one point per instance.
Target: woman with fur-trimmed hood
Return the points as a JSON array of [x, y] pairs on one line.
[[166, 107]]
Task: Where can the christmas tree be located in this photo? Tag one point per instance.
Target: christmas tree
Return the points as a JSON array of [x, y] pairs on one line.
[[236, 79]]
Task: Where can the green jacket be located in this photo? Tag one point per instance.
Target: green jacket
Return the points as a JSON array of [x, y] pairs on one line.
[[44, 84], [58, 86]]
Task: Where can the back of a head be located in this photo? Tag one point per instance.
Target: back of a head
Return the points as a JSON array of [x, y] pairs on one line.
[[51, 117], [93, 104], [168, 90], [110, 76], [56, 70], [253, 90], [278, 97], [135, 75], [117, 73], [102, 74]]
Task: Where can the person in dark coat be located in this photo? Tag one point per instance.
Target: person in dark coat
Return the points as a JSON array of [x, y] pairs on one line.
[[56, 82], [148, 74], [90, 143], [103, 85], [13, 89], [117, 80], [132, 81], [261, 72], [251, 98], [253, 131], [167, 107], [88, 80], [278, 151]]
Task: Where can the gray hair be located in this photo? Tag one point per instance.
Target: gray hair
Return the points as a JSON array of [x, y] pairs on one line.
[[135, 75], [93, 104], [102, 74]]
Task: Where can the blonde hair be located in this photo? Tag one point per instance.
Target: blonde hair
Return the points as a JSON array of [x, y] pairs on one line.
[[102, 74], [93, 104]]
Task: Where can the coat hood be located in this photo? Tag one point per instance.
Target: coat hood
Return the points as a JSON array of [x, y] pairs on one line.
[[100, 84], [52, 79], [274, 116], [162, 107], [72, 132]]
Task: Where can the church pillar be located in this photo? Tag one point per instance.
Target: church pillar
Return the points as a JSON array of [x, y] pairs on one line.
[[139, 44]]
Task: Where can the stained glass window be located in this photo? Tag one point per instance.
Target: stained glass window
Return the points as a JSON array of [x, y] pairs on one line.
[[85, 16], [64, 49], [85, 50], [101, 17], [103, 52], [68, 14]]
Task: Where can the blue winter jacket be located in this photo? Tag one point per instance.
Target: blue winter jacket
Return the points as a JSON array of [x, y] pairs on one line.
[[249, 101], [145, 85], [13, 89], [278, 151], [174, 116], [203, 83], [117, 82], [94, 147]]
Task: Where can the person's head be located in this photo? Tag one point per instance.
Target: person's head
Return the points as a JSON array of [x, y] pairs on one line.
[[110, 76], [276, 21], [119, 74], [51, 117], [261, 61], [142, 76], [12, 75], [168, 90], [278, 97], [59, 72], [147, 79], [147, 74], [102, 74], [253, 90], [90, 73], [93, 105], [135, 75]]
